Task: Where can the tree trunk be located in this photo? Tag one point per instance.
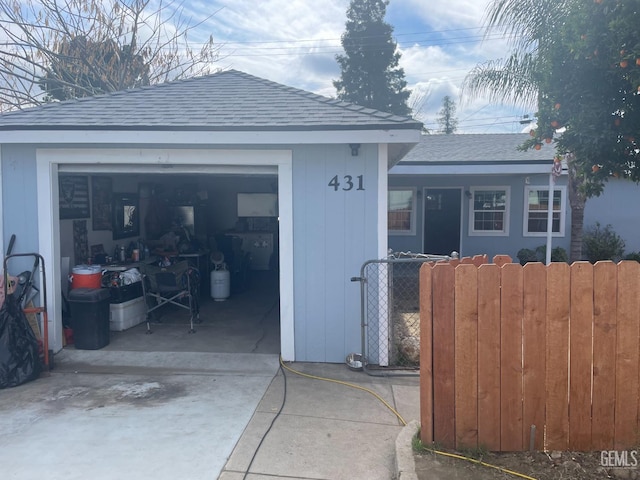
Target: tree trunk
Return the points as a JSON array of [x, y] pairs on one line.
[[577, 200]]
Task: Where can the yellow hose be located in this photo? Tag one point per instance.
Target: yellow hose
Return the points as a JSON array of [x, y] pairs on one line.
[[347, 384], [402, 420]]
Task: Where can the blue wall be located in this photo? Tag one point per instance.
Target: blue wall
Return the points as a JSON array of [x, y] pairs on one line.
[[618, 207], [477, 245], [335, 232], [19, 203]]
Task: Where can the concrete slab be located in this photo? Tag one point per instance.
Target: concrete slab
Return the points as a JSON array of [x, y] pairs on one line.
[[177, 416], [309, 447], [407, 401], [326, 430]]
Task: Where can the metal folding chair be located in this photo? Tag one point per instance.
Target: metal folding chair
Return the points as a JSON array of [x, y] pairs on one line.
[[176, 284]]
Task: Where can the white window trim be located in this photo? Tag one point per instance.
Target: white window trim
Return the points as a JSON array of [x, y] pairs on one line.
[[507, 212], [414, 204], [563, 210]]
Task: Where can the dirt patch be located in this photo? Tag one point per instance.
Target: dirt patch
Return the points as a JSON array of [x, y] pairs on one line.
[[536, 465]]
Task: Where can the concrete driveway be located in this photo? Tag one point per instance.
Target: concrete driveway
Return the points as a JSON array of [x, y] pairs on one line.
[[131, 415]]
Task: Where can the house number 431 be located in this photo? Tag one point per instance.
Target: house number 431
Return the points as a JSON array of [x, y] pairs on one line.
[[348, 183]]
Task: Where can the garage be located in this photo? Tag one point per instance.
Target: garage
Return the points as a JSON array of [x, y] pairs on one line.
[[221, 144], [224, 225]]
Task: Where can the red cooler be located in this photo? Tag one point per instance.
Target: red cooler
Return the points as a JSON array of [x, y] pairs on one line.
[[86, 276]]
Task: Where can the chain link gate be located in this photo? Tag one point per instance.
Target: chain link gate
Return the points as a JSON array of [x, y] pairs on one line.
[[390, 313]]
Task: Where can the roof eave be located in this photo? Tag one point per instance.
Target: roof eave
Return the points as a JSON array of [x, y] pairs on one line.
[[173, 136]]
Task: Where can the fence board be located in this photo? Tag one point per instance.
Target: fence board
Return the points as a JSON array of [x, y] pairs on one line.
[[555, 346], [489, 356], [511, 357], [501, 260], [443, 354], [534, 351], [480, 260], [426, 352], [557, 403], [466, 355], [605, 284], [626, 408], [580, 347]]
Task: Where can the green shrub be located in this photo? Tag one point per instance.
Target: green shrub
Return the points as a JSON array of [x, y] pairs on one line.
[[633, 256], [526, 255], [602, 244], [558, 254]]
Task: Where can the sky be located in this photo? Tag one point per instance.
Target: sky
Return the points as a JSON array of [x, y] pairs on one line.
[[294, 42]]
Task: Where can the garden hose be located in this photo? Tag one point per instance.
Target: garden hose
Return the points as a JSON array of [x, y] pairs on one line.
[[402, 420]]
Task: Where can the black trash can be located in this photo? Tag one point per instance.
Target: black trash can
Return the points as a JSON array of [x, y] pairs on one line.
[[90, 317]]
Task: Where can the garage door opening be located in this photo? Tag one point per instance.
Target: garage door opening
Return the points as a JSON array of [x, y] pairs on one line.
[[217, 222]]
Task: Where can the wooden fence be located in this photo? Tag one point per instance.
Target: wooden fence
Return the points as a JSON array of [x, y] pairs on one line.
[[506, 347]]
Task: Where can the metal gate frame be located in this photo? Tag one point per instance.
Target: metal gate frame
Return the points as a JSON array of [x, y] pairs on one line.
[[390, 347]]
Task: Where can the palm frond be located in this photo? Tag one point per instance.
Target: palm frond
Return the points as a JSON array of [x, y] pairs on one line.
[[504, 81]]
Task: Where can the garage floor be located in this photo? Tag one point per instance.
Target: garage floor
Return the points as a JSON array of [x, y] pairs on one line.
[[247, 322]]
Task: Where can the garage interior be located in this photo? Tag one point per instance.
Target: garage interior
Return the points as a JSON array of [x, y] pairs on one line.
[[216, 222]]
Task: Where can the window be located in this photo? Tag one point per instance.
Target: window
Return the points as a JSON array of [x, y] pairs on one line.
[[489, 211], [536, 210], [401, 215]]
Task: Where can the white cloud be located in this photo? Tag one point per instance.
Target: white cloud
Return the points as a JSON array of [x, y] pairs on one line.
[[295, 42]]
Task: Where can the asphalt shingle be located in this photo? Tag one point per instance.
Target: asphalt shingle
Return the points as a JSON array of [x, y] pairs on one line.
[[228, 100], [475, 148]]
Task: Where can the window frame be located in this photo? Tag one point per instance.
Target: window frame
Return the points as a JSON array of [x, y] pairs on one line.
[[563, 211], [412, 217], [507, 209]]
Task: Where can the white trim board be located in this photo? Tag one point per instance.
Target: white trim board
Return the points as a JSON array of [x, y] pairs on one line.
[[176, 137]]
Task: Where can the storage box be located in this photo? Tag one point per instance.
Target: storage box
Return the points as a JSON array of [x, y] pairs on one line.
[[127, 314], [126, 292]]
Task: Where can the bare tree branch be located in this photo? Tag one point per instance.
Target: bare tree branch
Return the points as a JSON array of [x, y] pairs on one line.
[[59, 49]]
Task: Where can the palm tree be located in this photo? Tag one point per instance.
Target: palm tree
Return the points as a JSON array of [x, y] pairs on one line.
[[532, 28]]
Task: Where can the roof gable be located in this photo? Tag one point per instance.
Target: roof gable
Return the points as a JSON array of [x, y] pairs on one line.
[[228, 100]]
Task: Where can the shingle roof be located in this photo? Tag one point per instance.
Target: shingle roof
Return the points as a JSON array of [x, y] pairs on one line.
[[229, 100], [489, 148]]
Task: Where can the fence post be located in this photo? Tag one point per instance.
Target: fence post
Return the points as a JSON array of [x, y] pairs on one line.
[[426, 354]]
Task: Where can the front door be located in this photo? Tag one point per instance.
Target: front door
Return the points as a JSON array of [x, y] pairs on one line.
[[442, 216]]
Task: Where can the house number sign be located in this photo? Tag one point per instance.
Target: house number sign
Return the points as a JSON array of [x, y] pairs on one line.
[[347, 183]]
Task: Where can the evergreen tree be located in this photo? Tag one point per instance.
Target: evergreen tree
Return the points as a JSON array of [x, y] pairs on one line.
[[370, 75], [447, 118]]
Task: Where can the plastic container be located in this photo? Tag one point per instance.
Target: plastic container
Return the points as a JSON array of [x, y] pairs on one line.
[[126, 292], [90, 317], [220, 284], [127, 314], [86, 276]]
